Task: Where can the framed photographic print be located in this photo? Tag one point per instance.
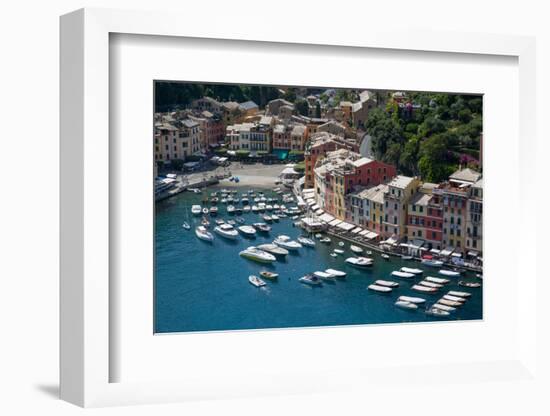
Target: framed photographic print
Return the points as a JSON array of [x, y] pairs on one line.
[[284, 213]]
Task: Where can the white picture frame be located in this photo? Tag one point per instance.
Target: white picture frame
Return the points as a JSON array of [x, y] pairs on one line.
[[86, 355]]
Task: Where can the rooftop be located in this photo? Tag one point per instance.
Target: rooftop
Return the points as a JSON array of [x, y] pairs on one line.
[[465, 175], [420, 198], [374, 193], [248, 105], [401, 181]]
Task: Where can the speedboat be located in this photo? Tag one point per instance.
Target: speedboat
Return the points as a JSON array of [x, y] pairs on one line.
[[308, 242], [285, 241], [411, 270], [459, 294], [336, 273], [267, 218], [469, 284], [381, 289], [275, 217], [450, 273], [240, 220], [325, 240], [246, 208], [411, 299], [230, 209], [310, 279], [424, 289], [269, 207], [439, 280], [356, 249], [196, 209], [431, 263], [244, 200], [269, 275], [247, 230], [454, 298], [255, 254], [256, 281], [437, 312], [403, 275], [273, 249], [361, 262], [448, 302], [338, 251], [405, 305], [324, 275], [262, 227], [430, 284], [386, 283], [186, 225], [444, 307], [213, 210], [227, 231], [385, 256], [202, 233], [220, 221]]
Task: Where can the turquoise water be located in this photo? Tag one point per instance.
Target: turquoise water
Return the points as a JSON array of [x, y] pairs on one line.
[[204, 287]]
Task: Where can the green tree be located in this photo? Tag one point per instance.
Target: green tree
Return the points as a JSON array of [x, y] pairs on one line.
[[318, 110], [302, 107]]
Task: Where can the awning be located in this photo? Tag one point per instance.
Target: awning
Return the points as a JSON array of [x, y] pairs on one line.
[[473, 253], [356, 230], [447, 251], [456, 254], [371, 235], [346, 226], [435, 251], [319, 212], [364, 232], [311, 202], [312, 222], [335, 222], [326, 218], [315, 207]]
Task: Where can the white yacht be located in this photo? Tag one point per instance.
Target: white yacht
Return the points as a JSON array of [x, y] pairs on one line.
[[255, 254], [361, 262], [196, 209], [403, 275], [411, 270], [285, 241], [273, 249], [202, 233], [226, 231], [247, 230], [336, 273], [311, 280], [324, 275]]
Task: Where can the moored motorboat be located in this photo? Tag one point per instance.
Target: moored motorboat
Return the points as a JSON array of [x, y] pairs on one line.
[[246, 209], [450, 273], [411, 299], [256, 281], [338, 251], [275, 218], [444, 307], [269, 275], [424, 289], [255, 208], [403, 275], [437, 312], [247, 230], [325, 240], [387, 283], [213, 210], [381, 289], [267, 218], [454, 298], [439, 280], [406, 305], [273, 249], [336, 273], [196, 209], [385, 256], [430, 284], [411, 270], [230, 209], [431, 262], [310, 279], [186, 225], [255, 254], [324, 275], [459, 294], [285, 241], [262, 227], [447, 302], [205, 222], [356, 249], [361, 262], [240, 220], [308, 242], [226, 231], [202, 233], [469, 284]]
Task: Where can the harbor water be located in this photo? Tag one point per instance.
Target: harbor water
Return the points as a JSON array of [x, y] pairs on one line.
[[202, 286]]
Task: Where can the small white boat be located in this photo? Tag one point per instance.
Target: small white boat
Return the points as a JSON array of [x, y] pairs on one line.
[[459, 294], [406, 257], [411, 270], [424, 289], [356, 249], [411, 299], [385, 256], [308, 242], [338, 251], [403, 275], [255, 254], [443, 307], [267, 218], [325, 240], [232, 222], [381, 289], [269, 275], [213, 210], [341, 244], [387, 283], [431, 263], [196, 209], [469, 284], [310, 279], [361, 262], [318, 236], [454, 298], [262, 227], [226, 231], [246, 208], [437, 312], [269, 207], [336, 273], [275, 217], [255, 208], [273, 249], [449, 273], [430, 284], [439, 280], [333, 255], [285, 241], [369, 253], [186, 225], [324, 275], [230, 209], [447, 302], [256, 281], [220, 221], [247, 230], [405, 305], [202, 233]]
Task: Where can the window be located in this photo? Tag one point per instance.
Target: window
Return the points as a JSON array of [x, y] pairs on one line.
[[433, 235], [395, 207], [420, 233], [421, 209]]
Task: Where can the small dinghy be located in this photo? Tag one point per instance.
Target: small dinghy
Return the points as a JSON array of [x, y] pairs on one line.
[[186, 226], [356, 249], [256, 281], [411, 299], [385, 256], [450, 273], [202, 233], [341, 244], [333, 255], [469, 284], [386, 283], [403, 275], [411, 270], [336, 273], [406, 305], [325, 240], [338, 251], [381, 289], [269, 275]]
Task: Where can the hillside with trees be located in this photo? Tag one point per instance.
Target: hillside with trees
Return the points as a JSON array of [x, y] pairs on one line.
[[428, 134]]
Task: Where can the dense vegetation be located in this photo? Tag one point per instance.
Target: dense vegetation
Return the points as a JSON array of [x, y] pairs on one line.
[[171, 95], [431, 139]]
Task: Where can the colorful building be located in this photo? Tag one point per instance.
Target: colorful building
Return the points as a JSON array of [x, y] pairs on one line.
[[400, 191]]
